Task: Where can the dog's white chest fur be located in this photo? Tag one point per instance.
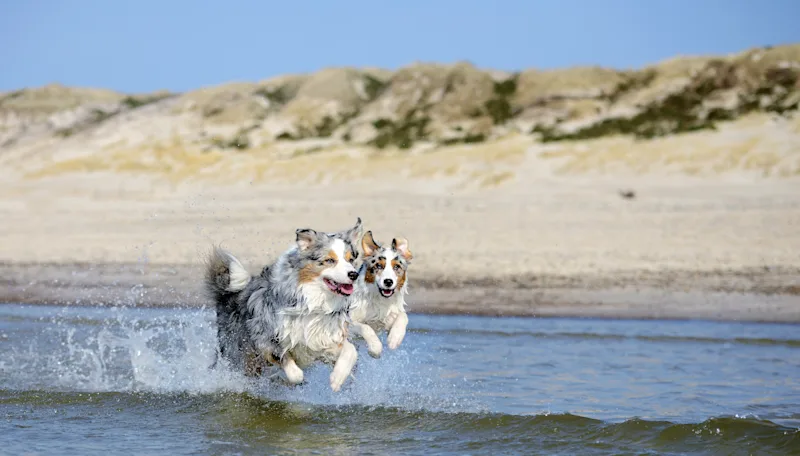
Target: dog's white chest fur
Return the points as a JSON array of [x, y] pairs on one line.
[[318, 330], [374, 310]]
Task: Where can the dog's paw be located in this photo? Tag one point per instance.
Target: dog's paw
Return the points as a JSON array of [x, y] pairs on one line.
[[337, 381], [375, 349], [293, 374], [394, 340], [280, 378]]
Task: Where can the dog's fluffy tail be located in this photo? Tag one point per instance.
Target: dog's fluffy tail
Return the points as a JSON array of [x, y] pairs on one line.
[[224, 274]]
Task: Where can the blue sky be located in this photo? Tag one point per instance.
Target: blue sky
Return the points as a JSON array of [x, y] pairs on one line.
[[144, 45]]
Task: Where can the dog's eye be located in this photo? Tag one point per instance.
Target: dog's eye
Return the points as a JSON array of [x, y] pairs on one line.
[[397, 267], [330, 261]]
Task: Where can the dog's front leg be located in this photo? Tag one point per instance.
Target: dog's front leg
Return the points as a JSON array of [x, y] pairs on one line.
[[397, 331], [374, 346], [294, 374], [344, 365], [388, 322]]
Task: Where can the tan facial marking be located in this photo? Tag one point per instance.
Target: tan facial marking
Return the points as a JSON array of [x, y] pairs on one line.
[[401, 274], [332, 256], [308, 273], [313, 269], [369, 276], [348, 256]]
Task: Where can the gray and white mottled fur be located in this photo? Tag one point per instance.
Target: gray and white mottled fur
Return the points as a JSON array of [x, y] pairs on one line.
[[294, 312], [379, 300]]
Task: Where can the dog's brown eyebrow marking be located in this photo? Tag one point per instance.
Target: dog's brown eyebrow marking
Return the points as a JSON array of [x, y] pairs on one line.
[[401, 275], [332, 255]]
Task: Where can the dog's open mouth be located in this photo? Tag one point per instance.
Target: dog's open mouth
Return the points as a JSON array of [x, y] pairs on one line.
[[386, 292], [344, 289]]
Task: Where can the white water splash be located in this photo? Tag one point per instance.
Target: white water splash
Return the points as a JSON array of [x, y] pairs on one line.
[[125, 352], [164, 351], [399, 378]]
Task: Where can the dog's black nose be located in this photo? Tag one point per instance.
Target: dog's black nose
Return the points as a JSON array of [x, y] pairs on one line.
[[352, 275], [387, 283]]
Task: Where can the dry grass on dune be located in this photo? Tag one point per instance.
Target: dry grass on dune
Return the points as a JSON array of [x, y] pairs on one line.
[[336, 167], [55, 97], [758, 145], [489, 163], [173, 162], [535, 85]]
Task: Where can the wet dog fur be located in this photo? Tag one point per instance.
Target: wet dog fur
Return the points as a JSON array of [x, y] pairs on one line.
[[379, 300], [294, 312]]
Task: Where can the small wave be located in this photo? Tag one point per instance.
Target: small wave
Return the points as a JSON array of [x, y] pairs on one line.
[[457, 430]]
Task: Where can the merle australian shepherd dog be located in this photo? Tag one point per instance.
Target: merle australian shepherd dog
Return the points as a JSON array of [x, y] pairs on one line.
[[379, 300], [294, 312]]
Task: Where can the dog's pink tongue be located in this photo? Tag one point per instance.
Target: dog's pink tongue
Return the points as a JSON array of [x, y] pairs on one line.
[[333, 287], [346, 289]]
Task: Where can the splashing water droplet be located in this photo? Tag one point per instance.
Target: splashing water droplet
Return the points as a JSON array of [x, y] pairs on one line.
[[123, 349]]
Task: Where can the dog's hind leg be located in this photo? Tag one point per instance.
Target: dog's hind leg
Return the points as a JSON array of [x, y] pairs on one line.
[[344, 365], [398, 331], [374, 346], [253, 365]]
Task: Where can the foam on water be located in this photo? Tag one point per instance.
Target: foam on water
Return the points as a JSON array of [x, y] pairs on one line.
[[161, 351]]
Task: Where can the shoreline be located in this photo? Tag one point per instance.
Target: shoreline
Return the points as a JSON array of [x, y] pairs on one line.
[[769, 294], [556, 247]]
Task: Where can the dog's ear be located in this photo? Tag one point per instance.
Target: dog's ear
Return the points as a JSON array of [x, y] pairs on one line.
[[305, 238], [401, 245], [354, 233], [368, 244]]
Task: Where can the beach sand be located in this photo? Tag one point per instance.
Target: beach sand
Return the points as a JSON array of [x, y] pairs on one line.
[[683, 247]]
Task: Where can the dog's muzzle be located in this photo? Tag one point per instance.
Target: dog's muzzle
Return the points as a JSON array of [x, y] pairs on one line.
[[344, 289], [386, 292]]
